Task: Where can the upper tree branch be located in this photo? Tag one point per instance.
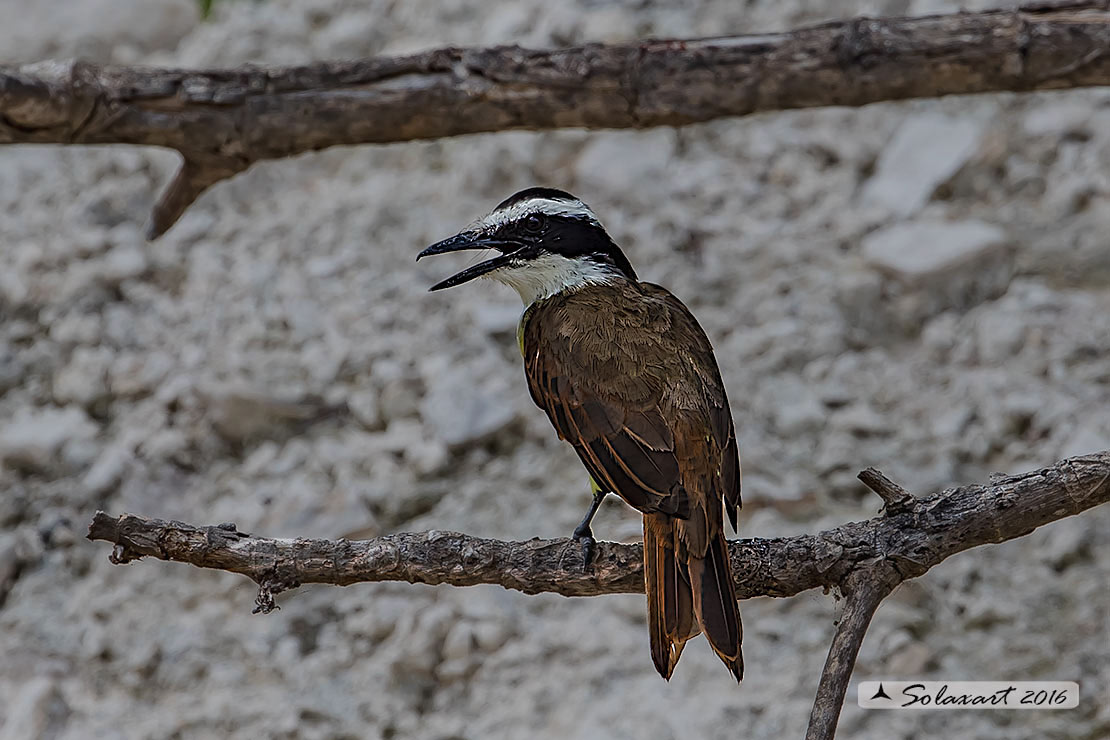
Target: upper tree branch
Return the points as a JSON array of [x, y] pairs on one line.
[[222, 121]]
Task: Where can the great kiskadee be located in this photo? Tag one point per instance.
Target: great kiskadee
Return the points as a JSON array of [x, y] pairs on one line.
[[627, 376]]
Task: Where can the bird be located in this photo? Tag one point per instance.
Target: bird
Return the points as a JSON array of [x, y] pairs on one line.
[[628, 377]]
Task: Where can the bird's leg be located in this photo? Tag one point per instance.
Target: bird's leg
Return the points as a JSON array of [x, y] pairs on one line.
[[582, 533]]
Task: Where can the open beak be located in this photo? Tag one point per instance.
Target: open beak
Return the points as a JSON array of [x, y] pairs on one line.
[[467, 240]]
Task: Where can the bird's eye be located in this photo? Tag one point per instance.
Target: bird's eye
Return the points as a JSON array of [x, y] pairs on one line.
[[534, 223]]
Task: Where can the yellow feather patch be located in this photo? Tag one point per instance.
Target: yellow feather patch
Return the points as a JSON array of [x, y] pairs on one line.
[[520, 329]]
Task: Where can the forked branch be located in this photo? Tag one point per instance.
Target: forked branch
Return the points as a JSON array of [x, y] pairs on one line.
[[863, 591], [222, 121], [863, 560]]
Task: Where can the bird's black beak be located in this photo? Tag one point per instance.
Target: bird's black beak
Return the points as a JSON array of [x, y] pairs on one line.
[[467, 240]]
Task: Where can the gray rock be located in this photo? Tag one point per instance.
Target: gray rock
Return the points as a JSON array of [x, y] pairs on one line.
[[460, 642], [1082, 262], [926, 268], [18, 549], [136, 374], [429, 458], [363, 404], [123, 262], [611, 160], [84, 379], [463, 413], [14, 291], [400, 399], [999, 336], [924, 152], [241, 414], [94, 29], [910, 657], [38, 711], [258, 462], [108, 469], [11, 368], [951, 422], [1057, 120], [858, 294], [1066, 543], [861, 420], [417, 656], [497, 318], [804, 414], [78, 454], [33, 438], [351, 34], [918, 252], [836, 452], [1090, 435], [76, 328]]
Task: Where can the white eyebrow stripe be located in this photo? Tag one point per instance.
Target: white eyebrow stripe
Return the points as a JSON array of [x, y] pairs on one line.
[[547, 206]]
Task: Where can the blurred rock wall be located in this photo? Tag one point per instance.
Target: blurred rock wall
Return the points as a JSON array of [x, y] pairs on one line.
[[923, 287]]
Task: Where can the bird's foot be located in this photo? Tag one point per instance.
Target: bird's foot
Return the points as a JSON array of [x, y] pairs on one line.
[[585, 539]]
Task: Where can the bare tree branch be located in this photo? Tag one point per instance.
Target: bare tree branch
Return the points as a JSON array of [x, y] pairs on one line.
[[192, 179], [863, 590], [864, 560], [932, 529], [222, 121], [895, 498]]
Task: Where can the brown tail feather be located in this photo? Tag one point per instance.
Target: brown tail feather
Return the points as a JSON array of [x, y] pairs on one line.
[[671, 620], [715, 604], [686, 599]]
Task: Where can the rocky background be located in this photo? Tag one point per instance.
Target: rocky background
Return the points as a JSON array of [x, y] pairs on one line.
[[923, 287]]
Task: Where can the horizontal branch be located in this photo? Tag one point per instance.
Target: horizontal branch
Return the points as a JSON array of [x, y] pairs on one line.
[[922, 534], [222, 121], [864, 560]]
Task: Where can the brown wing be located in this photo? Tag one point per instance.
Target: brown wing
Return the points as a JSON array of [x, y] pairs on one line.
[[722, 432], [584, 358], [629, 451]]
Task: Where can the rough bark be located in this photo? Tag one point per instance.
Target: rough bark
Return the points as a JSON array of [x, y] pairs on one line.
[[863, 591], [913, 540], [222, 121], [864, 560]]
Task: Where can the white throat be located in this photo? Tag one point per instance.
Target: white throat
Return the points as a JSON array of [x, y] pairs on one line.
[[551, 274]]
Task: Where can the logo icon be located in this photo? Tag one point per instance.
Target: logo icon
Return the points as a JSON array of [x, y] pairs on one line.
[[880, 694]]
